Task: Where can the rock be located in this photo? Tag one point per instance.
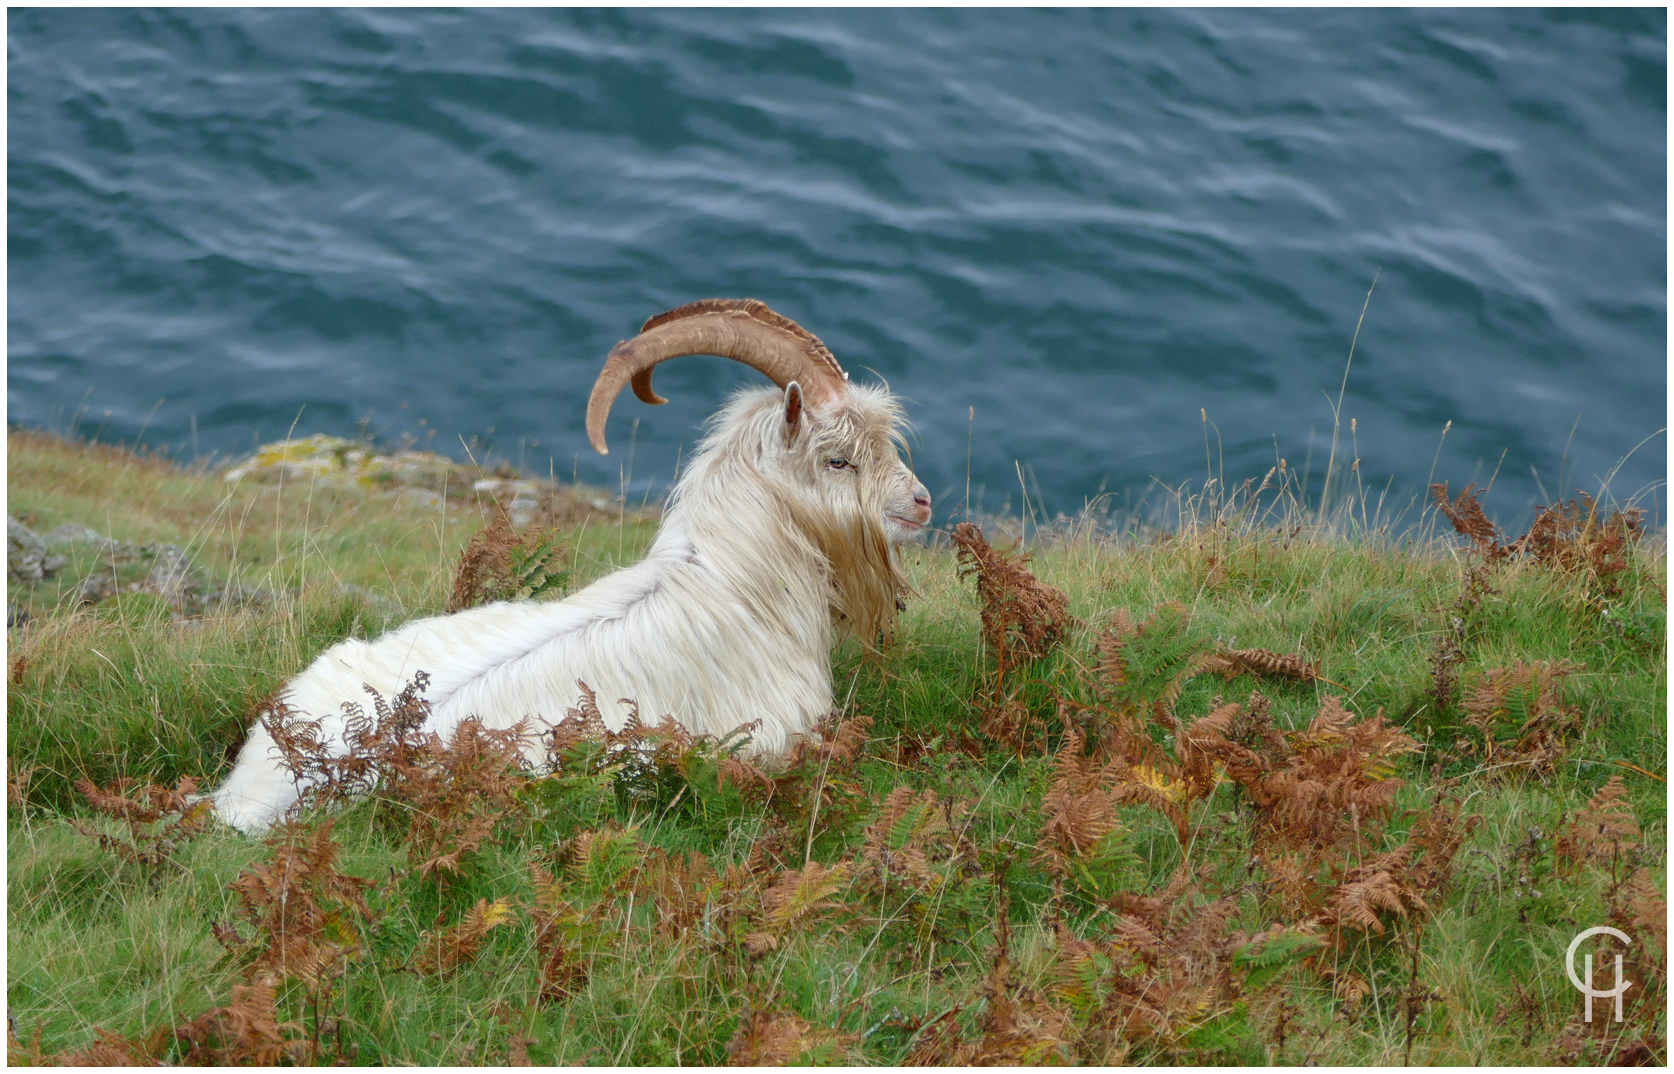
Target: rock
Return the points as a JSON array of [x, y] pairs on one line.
[[420, 498], [345, 463], [519, 496], [15, 616], [171, 577], [339, 462], [236, 595], [100, 585], [72, 533], [108, 548], [114, 551], [25, 554]]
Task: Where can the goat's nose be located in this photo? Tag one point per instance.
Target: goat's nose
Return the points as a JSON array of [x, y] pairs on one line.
[[921, 496]]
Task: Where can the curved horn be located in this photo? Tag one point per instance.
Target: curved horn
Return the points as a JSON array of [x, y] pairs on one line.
[[742, 329]]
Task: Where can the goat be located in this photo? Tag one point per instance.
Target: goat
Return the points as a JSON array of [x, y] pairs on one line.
[[782, 531]]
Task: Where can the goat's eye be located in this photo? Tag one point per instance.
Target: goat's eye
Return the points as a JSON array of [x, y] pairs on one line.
[[839, 464]]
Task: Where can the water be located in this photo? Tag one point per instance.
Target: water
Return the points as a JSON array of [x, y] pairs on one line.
[[1080, 226]]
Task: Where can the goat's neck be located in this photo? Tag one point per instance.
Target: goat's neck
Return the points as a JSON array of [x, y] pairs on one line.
[[733, 525]]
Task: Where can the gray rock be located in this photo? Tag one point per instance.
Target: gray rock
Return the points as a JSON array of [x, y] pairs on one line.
[[72, 533], [171, 576], [422, 499], [115, 551], [236, 595], [109, 548], [16, 616], [25, 554], [100, 585]]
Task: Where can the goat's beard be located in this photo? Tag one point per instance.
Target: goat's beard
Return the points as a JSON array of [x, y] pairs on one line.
[[866, 580]]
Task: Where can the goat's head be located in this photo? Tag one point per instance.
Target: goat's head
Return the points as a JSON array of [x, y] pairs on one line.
[[830, 448]]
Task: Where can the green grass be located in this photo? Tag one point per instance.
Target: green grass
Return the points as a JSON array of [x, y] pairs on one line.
[[121, 689]]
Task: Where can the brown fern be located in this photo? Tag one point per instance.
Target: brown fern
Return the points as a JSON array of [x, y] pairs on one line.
[[1468, 518], [913, 832], [794, 896], [563, 970], [445, 949], [1448, 651], [158, 819], [247, 1031], [1145, 665], [1022, 618], [1520, 713], [1318, 789], [300, 900], [1017, 1026], [1574, 537], [1603, 831], [1080, 812], [776, 1038], [497, 564], [455, 795], [107, 1050], [1232, 662], [1165, 967], [1340, 901], [1645, 910], [1637, 906], [818, 783], [452, 794]]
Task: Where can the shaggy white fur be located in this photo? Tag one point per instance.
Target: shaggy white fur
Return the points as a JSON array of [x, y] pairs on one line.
[[771, 539]]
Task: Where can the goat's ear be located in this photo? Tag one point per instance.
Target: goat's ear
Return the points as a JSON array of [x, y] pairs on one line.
[[793, 412]]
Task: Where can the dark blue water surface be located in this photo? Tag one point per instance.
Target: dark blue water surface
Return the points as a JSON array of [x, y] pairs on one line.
[[1085, 225]]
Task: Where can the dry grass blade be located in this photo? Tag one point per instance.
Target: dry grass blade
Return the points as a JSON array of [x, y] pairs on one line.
[[17, 783]]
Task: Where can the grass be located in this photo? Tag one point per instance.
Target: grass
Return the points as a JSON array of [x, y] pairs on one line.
[[960, 935]]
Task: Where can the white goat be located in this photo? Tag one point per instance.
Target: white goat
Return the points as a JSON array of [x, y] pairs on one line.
[[782, 529]]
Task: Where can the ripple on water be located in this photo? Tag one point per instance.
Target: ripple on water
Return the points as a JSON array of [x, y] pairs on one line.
[[1088, 225]]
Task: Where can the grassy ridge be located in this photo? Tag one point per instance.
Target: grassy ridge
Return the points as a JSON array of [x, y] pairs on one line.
[[837, 919]]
